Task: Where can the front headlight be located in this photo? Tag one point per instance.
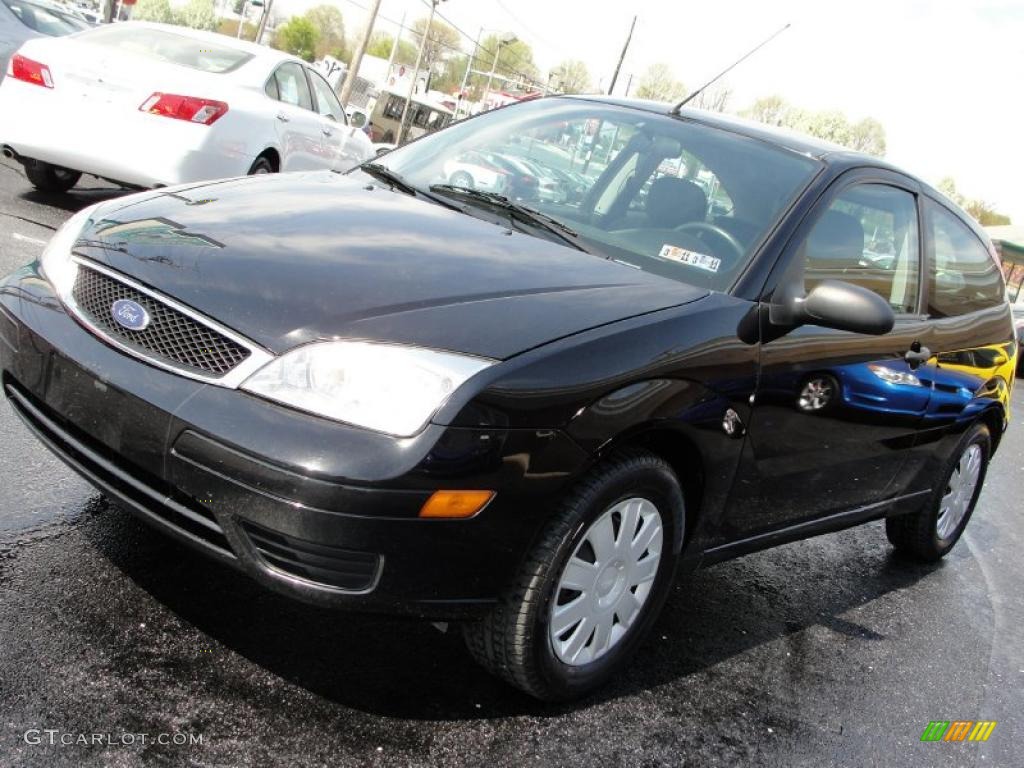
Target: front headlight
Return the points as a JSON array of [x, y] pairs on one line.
[[383, 387], [56, 261]]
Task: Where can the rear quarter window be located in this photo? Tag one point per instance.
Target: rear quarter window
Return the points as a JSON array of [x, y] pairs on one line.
[[963, 277]]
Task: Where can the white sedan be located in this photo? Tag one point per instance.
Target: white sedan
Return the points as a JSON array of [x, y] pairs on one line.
[[151, 105]]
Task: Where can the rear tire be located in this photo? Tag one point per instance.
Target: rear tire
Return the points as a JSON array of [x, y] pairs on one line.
[[933, 531], [624, 579], [261, 166], [51, 178]]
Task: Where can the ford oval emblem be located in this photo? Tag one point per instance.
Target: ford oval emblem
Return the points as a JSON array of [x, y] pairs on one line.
[[130, 314]]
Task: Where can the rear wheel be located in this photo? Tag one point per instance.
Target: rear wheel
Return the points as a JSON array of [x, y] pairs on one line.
[[593, 585], [932, 532], [51, 178], [262, 165]]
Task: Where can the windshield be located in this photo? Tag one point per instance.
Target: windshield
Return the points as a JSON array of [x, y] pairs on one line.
[[666, 195], [168, 46], [45, 19]]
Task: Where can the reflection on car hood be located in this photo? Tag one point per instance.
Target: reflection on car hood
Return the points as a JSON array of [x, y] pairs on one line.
[[293, 258]]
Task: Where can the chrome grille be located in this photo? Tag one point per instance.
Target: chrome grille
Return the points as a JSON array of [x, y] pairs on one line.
[[171, 336]]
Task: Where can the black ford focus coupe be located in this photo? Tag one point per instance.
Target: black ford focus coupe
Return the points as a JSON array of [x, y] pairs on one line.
[[404, 389]]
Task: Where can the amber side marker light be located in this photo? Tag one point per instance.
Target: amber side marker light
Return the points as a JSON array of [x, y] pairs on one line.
[[455, 505]]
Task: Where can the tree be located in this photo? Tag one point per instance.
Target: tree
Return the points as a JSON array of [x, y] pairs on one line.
[[715, 100], [153, 10], [515, 60], [658, 83], [197, 14], [442, 40], [299, 36], [571, 76], [238, 7], [867, 135], [982, 212], [329, 22], [770, 110], [381, 44]]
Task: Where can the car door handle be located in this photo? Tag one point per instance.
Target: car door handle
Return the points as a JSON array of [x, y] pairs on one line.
[[917, 355], [327, 131], [283, 117]]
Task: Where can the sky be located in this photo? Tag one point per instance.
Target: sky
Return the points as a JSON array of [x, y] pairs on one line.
[[944, 77]]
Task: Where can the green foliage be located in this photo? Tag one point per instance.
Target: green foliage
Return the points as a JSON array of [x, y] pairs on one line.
[[381, 44], [571, 76], [329, 22], [659, 83], [298, 36], [515, 59], [197, 14], [153, 10], [442, 41], [229, 27], [983, 212], [866, 135]]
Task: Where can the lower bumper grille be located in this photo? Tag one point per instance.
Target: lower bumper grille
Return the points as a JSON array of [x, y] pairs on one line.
[[146, 495], [319, 564]]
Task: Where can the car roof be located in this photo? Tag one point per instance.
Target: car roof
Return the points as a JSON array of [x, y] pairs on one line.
[[261, 51]]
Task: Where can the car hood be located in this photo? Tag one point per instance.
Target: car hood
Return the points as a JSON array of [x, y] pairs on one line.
[[294, 258]]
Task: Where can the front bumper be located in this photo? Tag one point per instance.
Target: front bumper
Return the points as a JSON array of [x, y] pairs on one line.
[[320, 511]]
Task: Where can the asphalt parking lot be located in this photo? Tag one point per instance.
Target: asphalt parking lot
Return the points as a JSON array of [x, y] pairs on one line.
[[825, 652]]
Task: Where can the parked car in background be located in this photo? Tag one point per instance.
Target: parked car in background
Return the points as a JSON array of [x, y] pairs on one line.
[[385, 391], [22, 20], [150, 105], [472, 170]]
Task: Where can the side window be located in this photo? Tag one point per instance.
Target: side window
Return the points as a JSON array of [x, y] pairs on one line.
[[962, 276], [327, 103], [292, 86], [868, 237], [271, 88]]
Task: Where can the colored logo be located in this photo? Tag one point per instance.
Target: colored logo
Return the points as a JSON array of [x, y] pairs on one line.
[[958, 730], [130, 314]]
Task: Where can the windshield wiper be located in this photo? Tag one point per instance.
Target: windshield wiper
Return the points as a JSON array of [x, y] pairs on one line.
[[530, 216], [397, 182]]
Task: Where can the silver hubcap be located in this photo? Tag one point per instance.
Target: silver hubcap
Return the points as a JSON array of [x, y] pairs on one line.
[[816, 394], [606, 582], [959, 491]]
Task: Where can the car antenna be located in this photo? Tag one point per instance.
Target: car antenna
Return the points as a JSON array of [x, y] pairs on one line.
[[744, 57]]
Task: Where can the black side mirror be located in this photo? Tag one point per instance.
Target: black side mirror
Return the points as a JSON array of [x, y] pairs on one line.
[[836, 304]]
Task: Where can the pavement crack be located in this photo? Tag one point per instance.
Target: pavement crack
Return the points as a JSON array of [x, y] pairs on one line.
[[27, 220]]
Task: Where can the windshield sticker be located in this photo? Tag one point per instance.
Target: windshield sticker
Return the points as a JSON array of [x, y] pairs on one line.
[[694, 259]]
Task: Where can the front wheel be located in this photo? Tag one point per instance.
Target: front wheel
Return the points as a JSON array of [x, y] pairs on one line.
[[51, 178], [933, 531], [593, 584]]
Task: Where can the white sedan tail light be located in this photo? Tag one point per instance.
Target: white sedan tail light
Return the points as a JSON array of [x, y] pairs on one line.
[[29, 71], [190, 108]]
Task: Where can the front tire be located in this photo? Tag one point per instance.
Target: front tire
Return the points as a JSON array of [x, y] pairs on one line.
[[589, 591], [933, 531], [261, 166], [51, 178]]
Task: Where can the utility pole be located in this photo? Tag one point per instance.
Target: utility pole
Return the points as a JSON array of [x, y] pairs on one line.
[[263, 21], [394, 47], [357, 57], [241, 19], [469, 68], [625, 48], [403, 126]]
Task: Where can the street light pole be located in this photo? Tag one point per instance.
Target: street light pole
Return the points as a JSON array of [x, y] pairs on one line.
[[494, 65], [357, 57], [469, 68], [263, 21], [241, 19], [403, 126]]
